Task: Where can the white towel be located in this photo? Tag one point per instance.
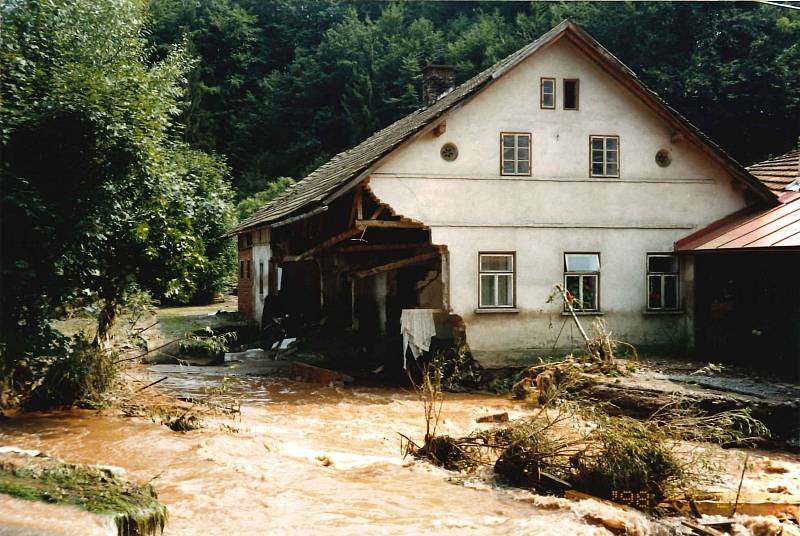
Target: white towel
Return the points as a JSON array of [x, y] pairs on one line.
[[417, 328]]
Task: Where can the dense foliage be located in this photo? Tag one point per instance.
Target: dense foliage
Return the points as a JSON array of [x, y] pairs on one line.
[[284, 84], [100, 198]]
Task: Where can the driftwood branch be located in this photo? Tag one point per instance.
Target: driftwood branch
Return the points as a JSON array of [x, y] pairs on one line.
[[148, 352]]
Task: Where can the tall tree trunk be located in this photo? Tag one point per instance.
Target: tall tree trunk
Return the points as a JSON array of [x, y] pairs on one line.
[[105, 321]]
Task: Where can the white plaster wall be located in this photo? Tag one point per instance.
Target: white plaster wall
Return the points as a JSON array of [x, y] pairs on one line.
[[261, 254], [470, 207]]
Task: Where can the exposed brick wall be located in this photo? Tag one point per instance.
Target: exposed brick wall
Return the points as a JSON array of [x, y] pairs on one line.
[[245, 287]]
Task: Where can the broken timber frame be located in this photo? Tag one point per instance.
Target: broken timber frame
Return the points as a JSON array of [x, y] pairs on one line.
[[416, 259]]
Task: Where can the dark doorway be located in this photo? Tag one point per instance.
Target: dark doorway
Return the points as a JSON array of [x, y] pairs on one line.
[[748, 309]]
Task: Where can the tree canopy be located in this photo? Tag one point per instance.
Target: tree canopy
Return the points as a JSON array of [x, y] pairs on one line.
[[282, 85], [100, 197]]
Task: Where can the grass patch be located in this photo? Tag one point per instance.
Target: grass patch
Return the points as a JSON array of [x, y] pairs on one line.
[[134, 509]]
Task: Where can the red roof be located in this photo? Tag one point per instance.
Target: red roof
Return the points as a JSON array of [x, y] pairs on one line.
[[771, 228]]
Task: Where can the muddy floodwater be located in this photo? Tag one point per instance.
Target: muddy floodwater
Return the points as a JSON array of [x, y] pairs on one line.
[[303, 459]]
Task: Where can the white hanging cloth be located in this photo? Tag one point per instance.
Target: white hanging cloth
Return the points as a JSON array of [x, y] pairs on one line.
[[417, 328]]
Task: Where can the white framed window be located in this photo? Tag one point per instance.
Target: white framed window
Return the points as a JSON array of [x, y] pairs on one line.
[[515, 152], [582, 280], [604, 151], [547, 93], [496, 279], [663, 282]]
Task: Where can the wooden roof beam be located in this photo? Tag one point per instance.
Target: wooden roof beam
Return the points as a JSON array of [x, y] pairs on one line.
[[332, 241], [379, 247], [416, 259], [398, 224]]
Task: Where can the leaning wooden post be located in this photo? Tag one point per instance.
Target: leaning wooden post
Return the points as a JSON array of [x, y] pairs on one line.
[[568, 302]]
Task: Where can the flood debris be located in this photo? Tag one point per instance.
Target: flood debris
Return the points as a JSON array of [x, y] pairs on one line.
[[134, 509], [185, 422], [497, 417], [726, 504], [576, 447], [312, 374], [179, 414]]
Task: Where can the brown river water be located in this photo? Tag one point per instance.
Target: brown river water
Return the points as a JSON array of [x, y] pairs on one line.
[[269, 478]]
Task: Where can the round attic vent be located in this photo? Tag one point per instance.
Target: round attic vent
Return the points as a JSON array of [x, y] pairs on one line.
[[663, 158], [449, 152]]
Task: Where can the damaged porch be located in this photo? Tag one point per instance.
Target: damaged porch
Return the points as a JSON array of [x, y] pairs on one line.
[[340, 277]]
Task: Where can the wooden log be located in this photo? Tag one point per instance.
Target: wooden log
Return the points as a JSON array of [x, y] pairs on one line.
[[323, 245], [378, 211], [400, 224], [416, 259], [360, 248]]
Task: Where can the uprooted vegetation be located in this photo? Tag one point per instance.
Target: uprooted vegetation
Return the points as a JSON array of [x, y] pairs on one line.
[[135, 510], [184, 414], [574, 443]]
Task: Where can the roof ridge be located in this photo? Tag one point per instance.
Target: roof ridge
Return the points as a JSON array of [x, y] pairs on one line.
[[320, 183]]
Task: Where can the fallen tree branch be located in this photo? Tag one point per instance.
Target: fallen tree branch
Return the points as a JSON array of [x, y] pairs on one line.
[[151, 384], [149, 351]]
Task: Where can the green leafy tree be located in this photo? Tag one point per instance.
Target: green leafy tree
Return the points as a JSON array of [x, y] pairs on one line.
[[98, 200], [249, 205]]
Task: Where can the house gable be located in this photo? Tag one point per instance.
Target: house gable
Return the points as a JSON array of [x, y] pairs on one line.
[[691, 191], [353, 166]]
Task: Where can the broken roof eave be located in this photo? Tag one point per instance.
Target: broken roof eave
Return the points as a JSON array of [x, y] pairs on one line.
[[320, 205], [579, 38]]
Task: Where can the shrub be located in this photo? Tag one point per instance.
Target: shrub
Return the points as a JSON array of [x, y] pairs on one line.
[[628, 457], [79, 376]]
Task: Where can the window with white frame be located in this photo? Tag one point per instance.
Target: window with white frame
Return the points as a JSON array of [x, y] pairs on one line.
[[582, 280], [662, 282], [515, 149], [604, 156], [547, 93], [496, 280]]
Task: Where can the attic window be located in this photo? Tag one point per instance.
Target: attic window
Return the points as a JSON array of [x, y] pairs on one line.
[[547, 94], [571, 87]]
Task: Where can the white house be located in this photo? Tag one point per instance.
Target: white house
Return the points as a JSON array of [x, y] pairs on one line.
[[556, 165]]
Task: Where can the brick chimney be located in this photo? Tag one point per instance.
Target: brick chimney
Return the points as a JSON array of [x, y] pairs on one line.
[[437, 80]]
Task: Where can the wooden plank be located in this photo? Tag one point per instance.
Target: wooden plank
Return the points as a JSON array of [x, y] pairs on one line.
[[399, 224], [378, 211], [445, 274], [416, 259], [355, 210], [379, 247], [323, 245]]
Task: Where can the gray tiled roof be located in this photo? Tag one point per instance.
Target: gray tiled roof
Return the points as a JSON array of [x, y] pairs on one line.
[[312, 190], [778, 172], [310, 193]]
